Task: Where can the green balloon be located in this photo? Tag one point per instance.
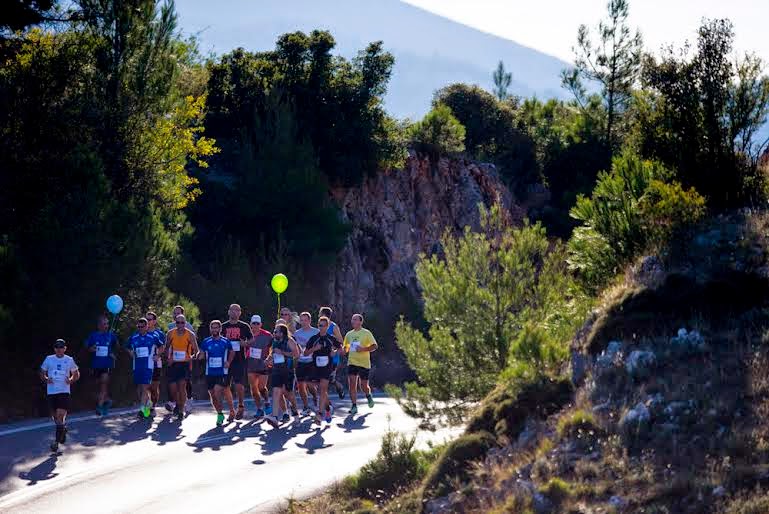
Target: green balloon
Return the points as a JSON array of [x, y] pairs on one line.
[[279, 283]]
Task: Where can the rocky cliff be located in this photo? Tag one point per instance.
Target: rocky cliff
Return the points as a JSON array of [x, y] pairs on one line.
[[397, 214]]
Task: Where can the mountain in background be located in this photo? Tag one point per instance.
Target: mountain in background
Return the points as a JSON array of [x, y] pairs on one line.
[[430, 51]]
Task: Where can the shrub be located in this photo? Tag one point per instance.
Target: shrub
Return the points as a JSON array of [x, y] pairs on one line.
[[439, 132], [578, 421], [396, 465], [557, 490], [456, 461], [635, 207]]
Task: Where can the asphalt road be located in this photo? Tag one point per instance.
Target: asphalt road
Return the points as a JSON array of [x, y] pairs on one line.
[[124, 464]]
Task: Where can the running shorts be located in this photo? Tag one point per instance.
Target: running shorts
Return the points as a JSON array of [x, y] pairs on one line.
[[282, 377], [213, 381], [238, 371], [304, 371], [98, 372], [58, 401], [142, 376], [323, 373], [178, 371], [358, 371]]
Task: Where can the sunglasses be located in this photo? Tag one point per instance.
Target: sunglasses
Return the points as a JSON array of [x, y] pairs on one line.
[[180, 323]]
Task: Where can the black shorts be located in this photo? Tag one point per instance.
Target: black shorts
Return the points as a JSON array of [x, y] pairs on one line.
[[213, 381], [98, 372], [58, 401], [305, 371], [323, 373], [178, 371], [157, 374], [283, 378], [358, 371], [238, 371]]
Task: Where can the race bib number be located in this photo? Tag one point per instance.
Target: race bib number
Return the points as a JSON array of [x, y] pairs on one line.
[[57, 375], [142, 351], [321, 361], [102, 351], [255, 353], [214, 362], [179, 356], [235, 346], [278, 358], [355, 346]]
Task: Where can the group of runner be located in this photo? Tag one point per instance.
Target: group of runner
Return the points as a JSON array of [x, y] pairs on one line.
[[235, 354]]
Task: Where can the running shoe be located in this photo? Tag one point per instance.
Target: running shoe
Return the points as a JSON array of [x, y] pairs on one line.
[[188, 408], [180, 416], [353, 410], [273, 420], [294, 412], [286, 417], [370, 401], [99, 411], [231, 417], [146, 411], [63, 435], [54, 446], [259, 413], [267, 408], [328, 416], [140, 414], [152, 412], [239, 414], [171, 407], [307, 411], [219, 419]]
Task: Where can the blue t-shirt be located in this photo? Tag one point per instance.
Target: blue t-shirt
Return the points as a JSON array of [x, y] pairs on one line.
[[216, 355], [105, 343], [336, 359], [144, 347]]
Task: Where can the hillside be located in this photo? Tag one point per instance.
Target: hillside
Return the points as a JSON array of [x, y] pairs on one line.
[[430, 51]]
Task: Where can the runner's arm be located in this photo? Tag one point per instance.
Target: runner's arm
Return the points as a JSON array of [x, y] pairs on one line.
[[74, 376], [44, 376], [294, 348], [337, 334], [195, 346]]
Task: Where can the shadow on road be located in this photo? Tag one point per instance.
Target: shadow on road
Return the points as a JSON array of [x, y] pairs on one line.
[[315, 441], [351, 423], [275, 439], [217, 437], [168, 430], [43, 471]]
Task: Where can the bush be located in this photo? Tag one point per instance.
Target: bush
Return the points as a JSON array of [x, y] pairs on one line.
[[576, 422], [396, 466], [439, 132], [535, 354], [557, 490], [635, 207], [455, 462]]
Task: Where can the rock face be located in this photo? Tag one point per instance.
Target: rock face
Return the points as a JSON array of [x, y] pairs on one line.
[[397, 214]]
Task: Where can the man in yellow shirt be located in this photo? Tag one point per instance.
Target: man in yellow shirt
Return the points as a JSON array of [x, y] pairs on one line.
[[358, 344]]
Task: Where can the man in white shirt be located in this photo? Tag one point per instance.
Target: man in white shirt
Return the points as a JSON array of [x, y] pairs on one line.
[[59, 371]]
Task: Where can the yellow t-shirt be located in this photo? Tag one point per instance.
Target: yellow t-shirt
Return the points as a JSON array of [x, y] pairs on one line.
[[362, 338]]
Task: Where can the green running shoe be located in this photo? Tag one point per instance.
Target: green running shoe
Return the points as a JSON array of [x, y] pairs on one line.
[[353, 410], [220, 419], [370, 401]]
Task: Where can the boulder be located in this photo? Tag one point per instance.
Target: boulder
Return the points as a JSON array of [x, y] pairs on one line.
[[640, 364]]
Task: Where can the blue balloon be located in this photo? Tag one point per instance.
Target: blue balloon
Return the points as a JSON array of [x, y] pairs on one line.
[[114, 304]]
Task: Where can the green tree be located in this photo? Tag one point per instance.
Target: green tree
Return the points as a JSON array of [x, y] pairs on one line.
[[701, 113], [614, 63], [479, 293], [439, 132], [502, 81], [634, 208]]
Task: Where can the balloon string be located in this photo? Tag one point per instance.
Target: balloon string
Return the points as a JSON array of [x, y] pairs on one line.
[[278, 317]]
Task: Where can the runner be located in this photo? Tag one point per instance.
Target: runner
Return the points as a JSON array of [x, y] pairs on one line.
[[304, 365], [171, 403], [359, 343], [336, 360], [256, 365], [321, 348], [288, 318], [102, 344], [289, 393], [143, 347], [284, 351], [218, 356], [238, 333], [182, 348], [59, 371], [157, 371]]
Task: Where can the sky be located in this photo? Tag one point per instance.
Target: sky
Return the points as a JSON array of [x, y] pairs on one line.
[[551, 25]]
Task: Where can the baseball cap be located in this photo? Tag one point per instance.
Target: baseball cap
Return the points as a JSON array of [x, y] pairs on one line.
[[60, 343], [256, 318]]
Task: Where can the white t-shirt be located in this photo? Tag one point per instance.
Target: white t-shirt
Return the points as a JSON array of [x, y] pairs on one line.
[[301, 337], [58, 369]]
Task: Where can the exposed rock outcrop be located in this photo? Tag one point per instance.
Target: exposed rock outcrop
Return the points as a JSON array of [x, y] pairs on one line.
[[397, 214]]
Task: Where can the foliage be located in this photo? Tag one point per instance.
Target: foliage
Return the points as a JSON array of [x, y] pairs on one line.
[[479, 293], [502, 81], [699, 115], [96, 149], [492, 133], [439, 132], [634, 208], [20, 14], [579, 420], [535, 354], [613, 63]]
